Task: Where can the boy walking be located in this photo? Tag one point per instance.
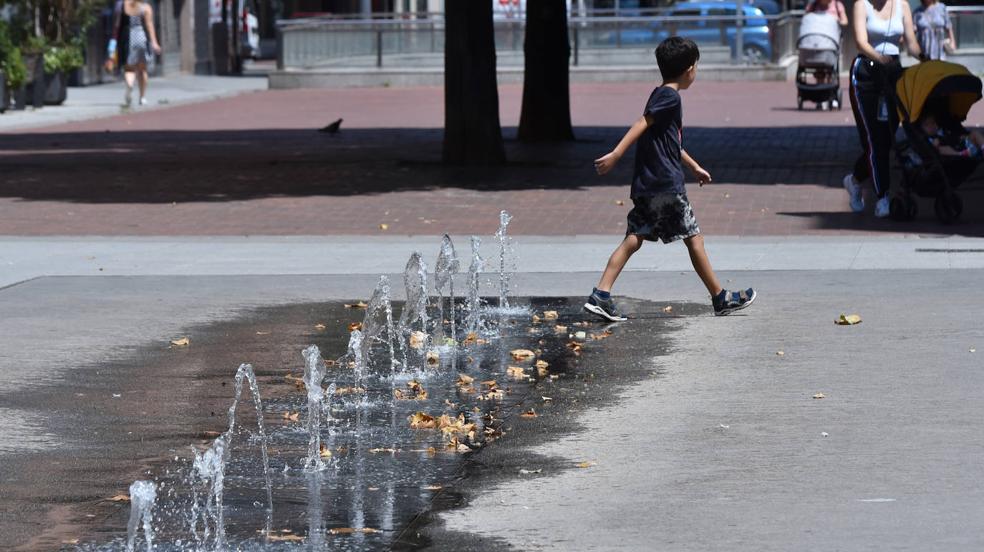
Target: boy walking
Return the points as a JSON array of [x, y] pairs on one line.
[[661, 210]]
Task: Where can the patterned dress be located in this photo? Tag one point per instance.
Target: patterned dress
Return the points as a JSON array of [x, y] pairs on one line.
[[138, 50], [932, 28]]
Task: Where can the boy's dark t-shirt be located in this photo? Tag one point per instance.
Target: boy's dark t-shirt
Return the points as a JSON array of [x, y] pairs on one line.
[[658, 168]]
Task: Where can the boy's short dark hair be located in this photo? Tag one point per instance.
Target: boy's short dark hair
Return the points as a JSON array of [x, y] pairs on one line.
[[675, 55]]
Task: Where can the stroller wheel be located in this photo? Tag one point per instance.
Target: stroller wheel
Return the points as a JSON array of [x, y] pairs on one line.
[[948, 207], [840, 100]]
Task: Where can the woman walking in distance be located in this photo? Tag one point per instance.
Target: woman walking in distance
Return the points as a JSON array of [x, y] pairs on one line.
[[136, 43]]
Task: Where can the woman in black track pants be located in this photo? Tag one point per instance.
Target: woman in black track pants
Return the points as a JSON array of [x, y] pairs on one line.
[[879, 27]]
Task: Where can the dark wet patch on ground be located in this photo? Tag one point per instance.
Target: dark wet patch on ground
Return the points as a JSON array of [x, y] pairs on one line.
[[171, 398]]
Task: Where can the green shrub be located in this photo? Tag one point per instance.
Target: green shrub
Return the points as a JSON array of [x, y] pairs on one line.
[[63, 58], [11, 61]]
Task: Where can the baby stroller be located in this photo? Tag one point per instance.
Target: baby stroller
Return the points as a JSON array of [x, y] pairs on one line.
[[818, 71], [945, 91]]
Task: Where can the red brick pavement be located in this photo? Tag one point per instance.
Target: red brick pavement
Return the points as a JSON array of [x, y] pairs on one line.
[[254, 165]]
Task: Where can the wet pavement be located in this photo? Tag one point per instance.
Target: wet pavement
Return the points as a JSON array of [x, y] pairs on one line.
[[122, 424]]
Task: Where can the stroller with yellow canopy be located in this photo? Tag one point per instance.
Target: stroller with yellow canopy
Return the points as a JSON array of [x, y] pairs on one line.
[[946, 92]]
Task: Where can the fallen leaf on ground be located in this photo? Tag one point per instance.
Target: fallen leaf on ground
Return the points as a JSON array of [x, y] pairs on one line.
[[262, 333], [210, 434], [491, 384], [349, 530], [818, 396], [358, 305], [349, 390], [286, 538], [387, 450], [529, 414], [417, 340], [433, 357], [780, 353], [575, 347], [522, 354], [419, 420], [848, 320], [541, 364], [619, 202], [470, 339], [432, 488], [580, 335], [528, 472], [550, 315], [668, 309], [536, 319], [183, 342], [586, 464], [325, 452], [354, 326], [292, 416], [72, 541], [320, 327], [602, 335], [515, 372], [384, 226], [464, 380], [546, 399], [415, 392], [119, 498], [560, 329]]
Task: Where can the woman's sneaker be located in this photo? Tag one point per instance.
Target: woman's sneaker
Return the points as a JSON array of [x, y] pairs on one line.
[[854, 192], [728, 302], [603, 307]]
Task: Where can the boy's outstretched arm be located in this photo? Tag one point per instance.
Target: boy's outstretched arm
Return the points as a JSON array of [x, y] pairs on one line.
[[607, 162], [703, 177]]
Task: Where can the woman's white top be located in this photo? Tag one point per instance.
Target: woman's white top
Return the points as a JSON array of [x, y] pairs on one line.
[[884, 35]]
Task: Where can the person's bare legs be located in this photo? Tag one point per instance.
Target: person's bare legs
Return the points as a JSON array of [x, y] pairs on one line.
[[142, 80], [129, 78], [617, 261], [695, 246]]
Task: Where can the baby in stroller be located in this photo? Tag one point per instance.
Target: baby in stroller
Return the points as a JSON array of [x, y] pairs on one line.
[[956, 143]]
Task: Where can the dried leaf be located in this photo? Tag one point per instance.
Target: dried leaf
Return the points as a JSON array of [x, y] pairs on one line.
[[120, 498], [619, 202], [358, 305], [71, 541], [349, 390], [433, 357], [541, 364], [515, 372], [464, 380], [354, 326], [780, 353], [292, 416], [262, 333], [325, 452], [320, 327], [603, 335], [848, 320], [586, 464], [387, 450], [491, 384], [546, 399], [419, 420], [560, 329], [432, 488], [575, 347], [416, 392], [529, 414], [349, 530], [384, 226], [668, 309], [470, 339], [818, 396], [536, 319], [183, 342], [550, 315], [581, 335], [418, 340], [286, 538], [522, 354]]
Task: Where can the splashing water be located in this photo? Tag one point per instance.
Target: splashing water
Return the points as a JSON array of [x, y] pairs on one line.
[[414, 315], [473, 305], [314, 373], [444, 270], [377, 322], [504, 248], [142, 497], [356, 356], [246, 372], [209, 469]]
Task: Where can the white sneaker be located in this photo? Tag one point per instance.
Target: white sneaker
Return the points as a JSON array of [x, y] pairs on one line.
[[882, 208], [854, 192], [143, 101]]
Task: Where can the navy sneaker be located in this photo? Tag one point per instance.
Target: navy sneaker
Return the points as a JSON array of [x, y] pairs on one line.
[[603, 307], [728, 302]]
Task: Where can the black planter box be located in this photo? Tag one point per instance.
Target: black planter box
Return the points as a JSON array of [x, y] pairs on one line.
[[4, 93], [55, 88]]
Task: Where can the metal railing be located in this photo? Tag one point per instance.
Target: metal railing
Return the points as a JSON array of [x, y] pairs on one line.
[[417, 40]]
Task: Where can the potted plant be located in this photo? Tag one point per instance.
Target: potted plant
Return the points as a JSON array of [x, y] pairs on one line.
[[12, 69], [33, 54], [59, 59]]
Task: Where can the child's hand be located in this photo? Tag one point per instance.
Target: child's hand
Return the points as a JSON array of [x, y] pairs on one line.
[[703, 177], [606, 163]]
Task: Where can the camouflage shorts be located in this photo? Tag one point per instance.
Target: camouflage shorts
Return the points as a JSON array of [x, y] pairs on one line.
[[663, 217]]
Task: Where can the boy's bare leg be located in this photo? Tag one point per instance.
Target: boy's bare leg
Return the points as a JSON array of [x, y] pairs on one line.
[[617, 261], [695, 245]]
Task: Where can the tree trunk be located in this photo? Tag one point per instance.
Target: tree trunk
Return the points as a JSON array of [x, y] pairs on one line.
[[472, 134], [546, 114]]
